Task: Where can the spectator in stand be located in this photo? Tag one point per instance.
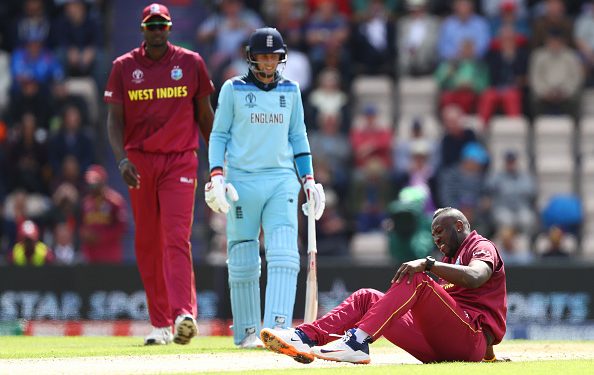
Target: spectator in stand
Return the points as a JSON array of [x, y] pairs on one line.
[[509, 14], [418, 33], [332, 229], [298, 69], [456, 136], [65, 209], [511, 194], [513, 246], [360, 8], [34, 70], [18, 207], [553, 17], [78, 40], [104, 220], [288, 17], [30, 251], [371, 139], [508, 68], [226, 30], [27, 158], [464, 24], [420, 171], [373, 43], [327, 98], [463, 185], [493, 8], [462, 79], [69, 173], [584, 39], [418, 142], [326, 33], [333, 148], [72, 139], [556, 77], [370, 194], [33, 21], [64, 246], [555, 244], [409, 225]]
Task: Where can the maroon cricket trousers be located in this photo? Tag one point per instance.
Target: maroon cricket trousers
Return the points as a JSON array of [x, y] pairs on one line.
[[420, 317], [163, 212]]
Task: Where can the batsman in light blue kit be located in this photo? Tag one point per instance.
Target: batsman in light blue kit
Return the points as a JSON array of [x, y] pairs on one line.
[[258, 151]]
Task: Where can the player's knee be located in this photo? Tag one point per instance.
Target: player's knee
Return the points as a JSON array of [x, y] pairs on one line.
[[281, 248], [243, 261]]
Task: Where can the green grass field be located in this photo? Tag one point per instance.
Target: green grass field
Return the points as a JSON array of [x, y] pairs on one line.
[[529, 357]]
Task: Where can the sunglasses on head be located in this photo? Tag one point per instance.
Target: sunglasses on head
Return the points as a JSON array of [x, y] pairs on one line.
[[158, 25]]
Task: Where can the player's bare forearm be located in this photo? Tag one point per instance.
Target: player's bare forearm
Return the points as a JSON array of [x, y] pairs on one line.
[[472, 276], [115, 130], [204, 116]]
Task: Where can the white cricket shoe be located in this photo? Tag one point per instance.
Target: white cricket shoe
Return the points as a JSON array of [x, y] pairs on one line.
[[251, 341], [288, 342], [159, 336], [185, 329], [347, 349]]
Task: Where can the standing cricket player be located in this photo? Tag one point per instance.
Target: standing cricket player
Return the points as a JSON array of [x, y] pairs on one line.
[[259, 132], [157, 94], [458, 318]]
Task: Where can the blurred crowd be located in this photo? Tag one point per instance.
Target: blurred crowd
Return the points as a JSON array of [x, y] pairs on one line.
[[515, 58]]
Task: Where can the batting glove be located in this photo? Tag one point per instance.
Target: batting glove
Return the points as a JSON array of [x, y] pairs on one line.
[[216, 193], [314, 193]]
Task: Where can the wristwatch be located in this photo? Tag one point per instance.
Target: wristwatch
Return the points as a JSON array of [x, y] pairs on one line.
[[429, 262]]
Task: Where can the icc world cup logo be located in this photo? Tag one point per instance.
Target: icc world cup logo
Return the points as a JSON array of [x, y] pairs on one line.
[[250, 100]]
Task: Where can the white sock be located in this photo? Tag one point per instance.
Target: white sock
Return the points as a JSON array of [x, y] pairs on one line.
[[361, 335]]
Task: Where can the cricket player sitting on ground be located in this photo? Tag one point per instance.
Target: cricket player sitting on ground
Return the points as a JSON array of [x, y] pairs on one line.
[[458, 318], [257, 144]]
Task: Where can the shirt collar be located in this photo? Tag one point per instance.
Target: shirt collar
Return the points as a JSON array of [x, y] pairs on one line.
[[164, 59]]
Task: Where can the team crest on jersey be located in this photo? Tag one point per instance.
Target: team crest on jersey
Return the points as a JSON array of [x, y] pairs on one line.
[[137, 76], [176, 73], [250, 100]]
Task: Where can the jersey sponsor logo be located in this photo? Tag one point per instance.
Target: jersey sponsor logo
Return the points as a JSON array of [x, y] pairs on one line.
[[186, 180], [176, 73], [238, 212], [266, 118], [158, 93], [137, 76], [250, 100], [283, 101], [108, 94]]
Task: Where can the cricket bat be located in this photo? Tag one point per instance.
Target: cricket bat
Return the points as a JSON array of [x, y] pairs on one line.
[[311, 284]]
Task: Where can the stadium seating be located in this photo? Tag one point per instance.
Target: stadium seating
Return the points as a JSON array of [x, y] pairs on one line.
[[417, 96]]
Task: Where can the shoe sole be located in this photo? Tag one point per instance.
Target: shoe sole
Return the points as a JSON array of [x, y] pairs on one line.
[[362, 362], [153, 342], [279, 346], [184, 332]]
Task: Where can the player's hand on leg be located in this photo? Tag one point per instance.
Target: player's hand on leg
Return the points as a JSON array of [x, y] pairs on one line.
[[129, 173], [314, 194], [216, 193]]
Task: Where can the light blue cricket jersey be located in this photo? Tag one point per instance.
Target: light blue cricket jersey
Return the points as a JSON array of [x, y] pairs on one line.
[[257, 131]]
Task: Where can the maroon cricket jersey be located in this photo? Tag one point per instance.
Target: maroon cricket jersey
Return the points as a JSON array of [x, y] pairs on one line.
[[157, 97], [487, 305]]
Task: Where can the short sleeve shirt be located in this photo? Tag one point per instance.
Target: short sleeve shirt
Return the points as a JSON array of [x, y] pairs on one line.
[[486, 305], [158, 98]]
